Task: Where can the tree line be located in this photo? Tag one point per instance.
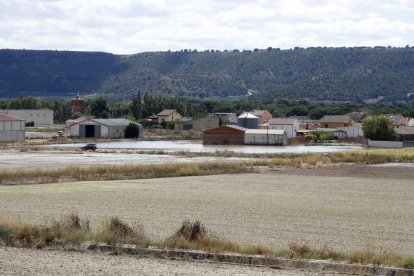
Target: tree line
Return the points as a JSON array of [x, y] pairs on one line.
[[144, 105]]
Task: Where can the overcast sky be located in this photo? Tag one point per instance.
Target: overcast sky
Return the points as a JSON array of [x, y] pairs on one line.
[[133, 26]]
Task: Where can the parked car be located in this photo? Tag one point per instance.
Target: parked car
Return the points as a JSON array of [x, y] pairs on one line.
[[92, 147]]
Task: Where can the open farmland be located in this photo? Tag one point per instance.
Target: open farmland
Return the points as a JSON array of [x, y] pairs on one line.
[[346, 213]]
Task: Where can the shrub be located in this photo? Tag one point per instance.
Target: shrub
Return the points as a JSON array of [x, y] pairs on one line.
[[117, 232], [379, 128], [132, 131]]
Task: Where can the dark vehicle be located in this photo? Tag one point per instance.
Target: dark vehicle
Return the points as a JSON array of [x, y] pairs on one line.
[[89, 147]]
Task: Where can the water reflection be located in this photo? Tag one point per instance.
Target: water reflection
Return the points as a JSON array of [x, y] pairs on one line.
[[196, 146]]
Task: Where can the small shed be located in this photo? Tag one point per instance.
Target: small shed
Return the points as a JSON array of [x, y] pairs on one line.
[[224, 135], [266, 137], [12, 129]]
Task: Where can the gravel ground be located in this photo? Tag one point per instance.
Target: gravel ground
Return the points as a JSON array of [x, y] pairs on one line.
[[346, 213], [19, 261]]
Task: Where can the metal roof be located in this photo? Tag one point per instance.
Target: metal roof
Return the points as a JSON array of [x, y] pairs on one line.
[[266, 131], [6, 118], [335, 119], [166, 112], [237, 127], [247, 115], [283, 121], [113, 122]]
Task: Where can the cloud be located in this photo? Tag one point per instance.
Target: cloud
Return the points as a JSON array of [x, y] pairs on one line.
[[130, 26]]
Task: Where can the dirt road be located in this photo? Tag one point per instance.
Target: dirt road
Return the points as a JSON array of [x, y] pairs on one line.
[[19, 261]]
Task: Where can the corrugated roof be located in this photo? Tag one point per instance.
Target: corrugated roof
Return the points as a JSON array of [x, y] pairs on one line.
[[266, 131], [282, 121], [6, 118], [113, 122], [166, 112], [335, 119], [237, 127]]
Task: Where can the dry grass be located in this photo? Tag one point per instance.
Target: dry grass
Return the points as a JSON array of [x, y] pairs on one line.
[[122, 172], [191, 235], [118, 232]]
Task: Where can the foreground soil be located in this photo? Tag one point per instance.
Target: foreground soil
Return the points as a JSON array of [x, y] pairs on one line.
[[347, 212], [19, 261]]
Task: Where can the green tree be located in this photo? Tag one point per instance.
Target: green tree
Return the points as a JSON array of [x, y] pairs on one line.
[[99, 108], [136, 106], [132, 131], [379, 128]]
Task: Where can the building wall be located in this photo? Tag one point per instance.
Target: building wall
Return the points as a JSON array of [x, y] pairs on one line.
[[264, 139], [225, 117], [223, 136], [116, 132], [198, 124], [38, 116], [76, 129], [12, 135], [354, 131], [290, 129], [173, 117], [334, 124], [12, 131], [385, 144]]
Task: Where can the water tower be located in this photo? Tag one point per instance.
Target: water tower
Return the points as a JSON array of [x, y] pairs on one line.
[[77, 104]]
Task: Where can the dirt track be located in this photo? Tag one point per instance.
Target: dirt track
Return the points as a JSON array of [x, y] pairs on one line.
[[19, 261]]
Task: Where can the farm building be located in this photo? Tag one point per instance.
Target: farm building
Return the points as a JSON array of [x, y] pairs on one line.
[[265, 137], [334, 121], [225, 118], [11, 129], [224, 135], [168, 115], [263, 115], [42, 117], [200, 124], [291, 125], [100, 128]]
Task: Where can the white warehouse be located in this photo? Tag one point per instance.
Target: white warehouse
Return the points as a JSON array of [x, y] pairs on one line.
[[265, 137], [42, 117], [11, 129], [101, 128]]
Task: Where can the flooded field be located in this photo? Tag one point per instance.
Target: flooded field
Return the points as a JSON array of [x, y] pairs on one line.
[[197, 146], [13, 159]]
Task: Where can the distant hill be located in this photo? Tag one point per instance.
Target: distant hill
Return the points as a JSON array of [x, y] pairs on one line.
[[340, 74]]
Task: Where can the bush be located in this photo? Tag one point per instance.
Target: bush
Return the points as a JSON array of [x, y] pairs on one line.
[[379, 128], [132, 131]]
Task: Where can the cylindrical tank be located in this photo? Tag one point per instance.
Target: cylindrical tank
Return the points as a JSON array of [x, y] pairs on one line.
[[248, 120]]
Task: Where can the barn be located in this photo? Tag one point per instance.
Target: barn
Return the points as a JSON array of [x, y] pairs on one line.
[[100, 128], [265, 137], [12, 129], [224, 135]]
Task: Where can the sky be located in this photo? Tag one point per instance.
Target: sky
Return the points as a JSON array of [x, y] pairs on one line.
[[134, 26]]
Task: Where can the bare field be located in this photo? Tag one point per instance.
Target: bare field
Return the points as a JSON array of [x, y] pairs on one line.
[[345, 213]]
